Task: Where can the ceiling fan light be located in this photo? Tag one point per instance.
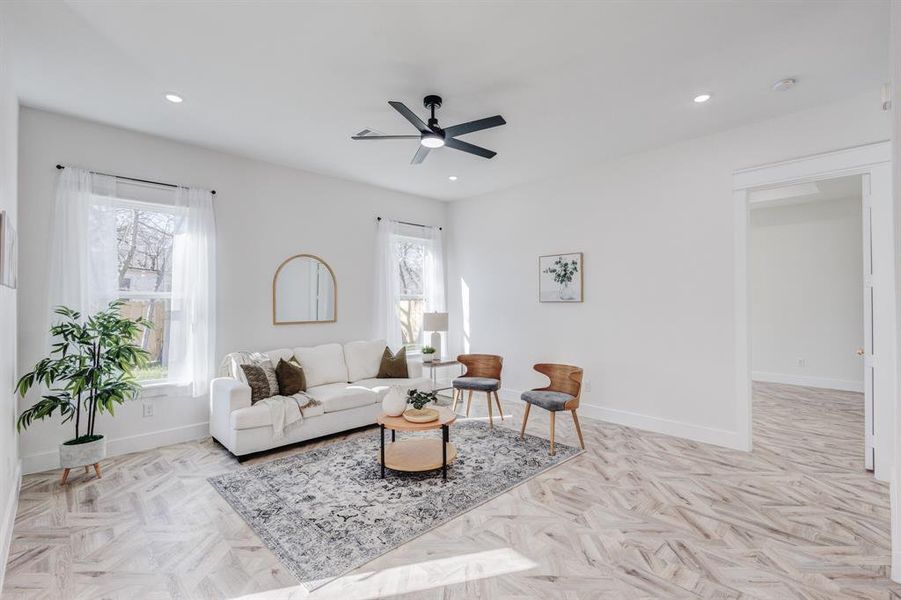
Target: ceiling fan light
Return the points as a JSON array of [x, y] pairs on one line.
[[431, 141]]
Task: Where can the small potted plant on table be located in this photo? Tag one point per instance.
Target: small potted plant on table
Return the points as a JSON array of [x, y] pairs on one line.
[[89, 370], [428, 354], [418, 400]]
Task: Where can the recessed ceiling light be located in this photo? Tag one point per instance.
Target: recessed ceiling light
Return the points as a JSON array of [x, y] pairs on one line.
[[174, 98], [784, 84], [701, 98], [453, 178]]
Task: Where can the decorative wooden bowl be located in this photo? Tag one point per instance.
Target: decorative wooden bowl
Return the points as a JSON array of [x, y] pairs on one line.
[[422, 415]]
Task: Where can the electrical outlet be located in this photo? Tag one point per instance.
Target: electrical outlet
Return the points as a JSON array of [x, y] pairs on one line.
[[588, 385], [148, 409], [802, 362]]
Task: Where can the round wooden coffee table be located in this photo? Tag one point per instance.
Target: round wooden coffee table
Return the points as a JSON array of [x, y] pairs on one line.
[[418, 454]]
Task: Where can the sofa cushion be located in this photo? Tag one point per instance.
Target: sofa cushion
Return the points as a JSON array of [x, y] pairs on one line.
[[260, 414], [259, 384], [280, 354], [291, 379], [341, 396], [393, 366], [322, 364], [250, 417], [381, 386], [363, 359]]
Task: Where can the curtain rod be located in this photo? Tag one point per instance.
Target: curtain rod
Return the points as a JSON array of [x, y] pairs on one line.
[[172, 185], [412, 224]]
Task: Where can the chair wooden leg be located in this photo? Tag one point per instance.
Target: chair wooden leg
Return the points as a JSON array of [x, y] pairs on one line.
[[454, 409], [86, 467], [499, 409], [97, 470], [553, 420], [525, 419], [578, 428], [490, 418], [468, 401], [65, 477]]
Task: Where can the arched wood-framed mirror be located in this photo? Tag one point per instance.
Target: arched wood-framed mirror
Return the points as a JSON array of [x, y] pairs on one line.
[[304, 290]]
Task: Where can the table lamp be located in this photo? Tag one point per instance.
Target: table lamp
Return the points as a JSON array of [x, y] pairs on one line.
[[435, 322]]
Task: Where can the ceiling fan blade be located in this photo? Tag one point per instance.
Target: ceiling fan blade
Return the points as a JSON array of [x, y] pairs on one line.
[[384, 137], [409, 115], [471, 148], [469, 127], [420, 155]]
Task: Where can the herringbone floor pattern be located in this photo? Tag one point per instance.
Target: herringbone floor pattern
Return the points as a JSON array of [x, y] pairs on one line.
[[640, 515]]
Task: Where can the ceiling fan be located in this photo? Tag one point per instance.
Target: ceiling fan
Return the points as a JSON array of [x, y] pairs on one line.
[[431, 136]]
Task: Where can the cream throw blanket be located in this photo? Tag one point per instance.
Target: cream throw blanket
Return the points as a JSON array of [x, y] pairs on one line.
[[285, 411]]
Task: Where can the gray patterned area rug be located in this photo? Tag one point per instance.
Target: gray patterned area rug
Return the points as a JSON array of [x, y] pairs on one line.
[[327, 511]]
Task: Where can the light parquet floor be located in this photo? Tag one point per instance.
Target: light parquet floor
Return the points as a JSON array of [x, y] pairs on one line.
[[640, 515]]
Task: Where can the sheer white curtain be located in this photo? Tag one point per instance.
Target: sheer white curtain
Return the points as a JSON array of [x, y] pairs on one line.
[[83, 261], [433, 275], [433, 270], [193, 321], [387, 286]]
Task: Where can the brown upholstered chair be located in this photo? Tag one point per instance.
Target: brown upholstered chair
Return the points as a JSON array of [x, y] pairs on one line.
[[483, 374], [563, 393]]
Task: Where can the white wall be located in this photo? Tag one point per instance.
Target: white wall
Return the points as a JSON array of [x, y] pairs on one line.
[[806, 293], [264, 214], [656, 333], [9, 451]]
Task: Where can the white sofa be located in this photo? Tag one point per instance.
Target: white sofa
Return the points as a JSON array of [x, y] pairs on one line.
[[343, 379]]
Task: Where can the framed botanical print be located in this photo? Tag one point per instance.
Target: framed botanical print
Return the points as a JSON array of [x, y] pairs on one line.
[[560, 277]]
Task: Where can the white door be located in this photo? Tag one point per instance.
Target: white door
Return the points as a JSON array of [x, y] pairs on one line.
[[866, 353]]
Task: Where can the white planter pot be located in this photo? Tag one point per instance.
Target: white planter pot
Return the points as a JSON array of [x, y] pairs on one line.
[[395, 402], [77, 455], [427, 358]]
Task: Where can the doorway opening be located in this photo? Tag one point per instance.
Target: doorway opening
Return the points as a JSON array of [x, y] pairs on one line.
[[811, 320], [872, 164]]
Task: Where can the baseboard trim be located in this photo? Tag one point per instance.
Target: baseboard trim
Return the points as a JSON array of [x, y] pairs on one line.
[[47, 461], [845, 385], [9, 521], [690, 431]]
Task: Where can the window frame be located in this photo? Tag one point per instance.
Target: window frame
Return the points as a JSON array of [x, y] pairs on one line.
[[164, 386], [414, 349]]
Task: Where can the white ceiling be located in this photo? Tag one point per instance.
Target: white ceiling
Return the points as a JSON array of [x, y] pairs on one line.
[[577, 82]]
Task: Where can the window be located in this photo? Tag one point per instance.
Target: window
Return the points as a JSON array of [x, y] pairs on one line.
[[410, 253], [144, 239], [151, 246]]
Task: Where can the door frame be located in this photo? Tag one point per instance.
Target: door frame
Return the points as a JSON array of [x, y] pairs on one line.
[[873, 161]]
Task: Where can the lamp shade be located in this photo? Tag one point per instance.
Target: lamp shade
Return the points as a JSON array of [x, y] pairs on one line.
[[434, 321]]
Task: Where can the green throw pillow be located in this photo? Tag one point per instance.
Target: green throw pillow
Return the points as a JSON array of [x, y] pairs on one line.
[[394, 366]]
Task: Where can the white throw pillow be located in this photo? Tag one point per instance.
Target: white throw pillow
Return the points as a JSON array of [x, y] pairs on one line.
[[322, 364], [363, 359]]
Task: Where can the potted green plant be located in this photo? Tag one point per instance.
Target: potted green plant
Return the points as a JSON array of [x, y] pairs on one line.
[[418, 400], [428, 353], [90, 370]]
